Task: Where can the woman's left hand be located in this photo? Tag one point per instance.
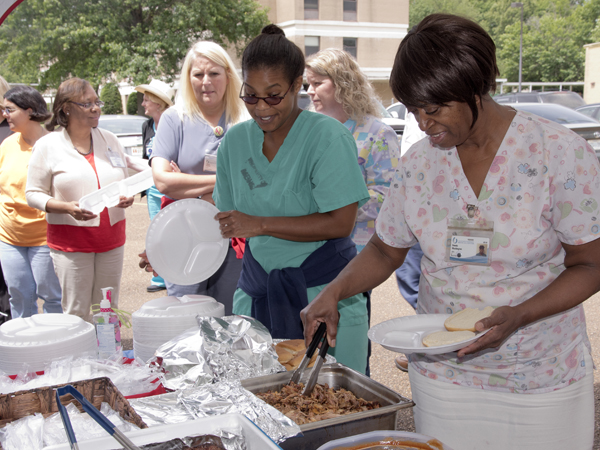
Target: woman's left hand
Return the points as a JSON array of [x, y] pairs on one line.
[[125, 202], [503, 322], [237, 224]]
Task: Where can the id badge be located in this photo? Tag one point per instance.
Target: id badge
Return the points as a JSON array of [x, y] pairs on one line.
[[115, 159], [469, 241], [210, 162]]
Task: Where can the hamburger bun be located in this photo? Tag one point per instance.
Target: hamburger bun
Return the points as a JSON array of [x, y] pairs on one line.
[[439, 338], [467, 318], [291, 352]]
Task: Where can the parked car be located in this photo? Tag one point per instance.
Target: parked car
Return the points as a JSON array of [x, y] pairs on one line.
[[394, 122], [585, 126], [592, 110], [304, 101], [566, 98], [128, 129], [397, 110]]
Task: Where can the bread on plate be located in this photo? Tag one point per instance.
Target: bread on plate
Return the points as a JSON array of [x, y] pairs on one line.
[[440, 338], [467, 318]]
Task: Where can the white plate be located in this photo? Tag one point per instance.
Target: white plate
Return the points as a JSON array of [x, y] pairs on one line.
[[405, 334], [184, 243]]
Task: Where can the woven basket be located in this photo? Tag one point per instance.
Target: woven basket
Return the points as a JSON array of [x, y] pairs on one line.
[[43, 400]]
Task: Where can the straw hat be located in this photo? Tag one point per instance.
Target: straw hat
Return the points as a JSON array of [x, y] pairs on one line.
[[159, 88]]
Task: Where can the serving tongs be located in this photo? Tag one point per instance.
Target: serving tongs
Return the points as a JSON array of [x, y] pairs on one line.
[[316, 340], [94, 413]]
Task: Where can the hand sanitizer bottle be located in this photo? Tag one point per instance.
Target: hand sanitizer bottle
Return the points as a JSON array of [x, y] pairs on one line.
[[108, 330]]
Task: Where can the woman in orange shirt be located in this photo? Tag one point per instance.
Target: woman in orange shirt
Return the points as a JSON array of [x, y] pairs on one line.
[[25, 257]]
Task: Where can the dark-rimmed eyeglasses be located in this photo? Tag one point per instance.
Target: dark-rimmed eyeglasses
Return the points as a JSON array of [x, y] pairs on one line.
[[272, 100], [8, 111], [88, 105]]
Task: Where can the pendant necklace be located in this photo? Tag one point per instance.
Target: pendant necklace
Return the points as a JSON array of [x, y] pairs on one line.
[[90, 150]]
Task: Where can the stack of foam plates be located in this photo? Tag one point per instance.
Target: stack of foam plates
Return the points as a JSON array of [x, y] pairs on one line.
[[34, 342], [161, 319]]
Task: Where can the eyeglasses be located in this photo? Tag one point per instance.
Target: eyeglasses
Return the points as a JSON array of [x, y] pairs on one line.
[[88, 105], [8, 111], [271, 100]]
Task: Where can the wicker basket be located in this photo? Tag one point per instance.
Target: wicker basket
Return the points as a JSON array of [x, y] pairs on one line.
[[43, 400]]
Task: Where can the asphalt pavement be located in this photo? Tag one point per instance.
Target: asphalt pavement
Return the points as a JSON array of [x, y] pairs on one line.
[[387, 303]]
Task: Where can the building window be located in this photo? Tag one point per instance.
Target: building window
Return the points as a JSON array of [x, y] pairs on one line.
[[311, 45], [311, 9], [349, 10], [350, 46]]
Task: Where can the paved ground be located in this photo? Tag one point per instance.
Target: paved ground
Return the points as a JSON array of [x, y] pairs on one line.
[[387, 304]]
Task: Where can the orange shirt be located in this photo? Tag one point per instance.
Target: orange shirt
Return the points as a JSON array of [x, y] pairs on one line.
[[69, 238], [20, 224]]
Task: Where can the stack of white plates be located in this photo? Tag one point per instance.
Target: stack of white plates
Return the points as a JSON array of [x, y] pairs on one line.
[[34, 342], [161, 319]]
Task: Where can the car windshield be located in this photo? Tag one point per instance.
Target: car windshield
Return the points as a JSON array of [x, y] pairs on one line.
[[568, 99], [554, 113], [131, 125]]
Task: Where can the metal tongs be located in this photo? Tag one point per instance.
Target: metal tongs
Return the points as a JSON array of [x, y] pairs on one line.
[[312, 380], [94, 413]]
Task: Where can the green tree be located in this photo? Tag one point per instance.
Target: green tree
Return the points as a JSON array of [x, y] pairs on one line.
[[112, 99], [132, 104], [130, 39]]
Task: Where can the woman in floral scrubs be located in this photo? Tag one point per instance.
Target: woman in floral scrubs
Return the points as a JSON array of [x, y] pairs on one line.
[[528, 382]]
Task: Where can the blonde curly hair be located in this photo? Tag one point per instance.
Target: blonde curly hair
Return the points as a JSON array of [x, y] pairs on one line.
[[352, 88]]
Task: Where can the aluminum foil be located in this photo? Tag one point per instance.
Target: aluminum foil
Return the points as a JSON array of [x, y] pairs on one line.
[[230, 397], [212, 400], [219, 349]]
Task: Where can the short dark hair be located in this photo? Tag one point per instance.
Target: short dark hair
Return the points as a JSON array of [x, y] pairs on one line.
[[26, 97], [442, 59], [272, 50], [69, 90]]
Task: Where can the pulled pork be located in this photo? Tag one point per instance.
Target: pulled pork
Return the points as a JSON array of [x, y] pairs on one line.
[[323, 403]]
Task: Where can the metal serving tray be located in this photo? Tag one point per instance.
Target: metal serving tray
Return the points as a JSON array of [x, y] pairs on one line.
[[338, 376]]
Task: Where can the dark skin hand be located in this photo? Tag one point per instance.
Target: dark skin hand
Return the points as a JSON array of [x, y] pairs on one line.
[[314, 227], [373, 265], [578, 282]]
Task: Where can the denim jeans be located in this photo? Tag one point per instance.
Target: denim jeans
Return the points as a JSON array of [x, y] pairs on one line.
[[153, 197], [29, 275]]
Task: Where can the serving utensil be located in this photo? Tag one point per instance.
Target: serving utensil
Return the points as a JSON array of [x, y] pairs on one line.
[[309, 352], [94, 413], [312, 380]]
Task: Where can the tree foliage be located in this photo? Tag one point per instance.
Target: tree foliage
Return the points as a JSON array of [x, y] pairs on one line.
[[51, 40], [132, 104], [112, 99], [554, 33]]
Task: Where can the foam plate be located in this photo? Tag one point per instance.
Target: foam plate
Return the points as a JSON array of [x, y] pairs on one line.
[[405, 334], [184, 243]]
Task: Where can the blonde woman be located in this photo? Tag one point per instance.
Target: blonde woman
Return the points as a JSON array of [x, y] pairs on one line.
[[339, 89], [184, 160]]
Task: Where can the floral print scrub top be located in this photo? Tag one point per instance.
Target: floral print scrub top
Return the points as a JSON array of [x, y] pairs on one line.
[[542, 189], [378, 157]]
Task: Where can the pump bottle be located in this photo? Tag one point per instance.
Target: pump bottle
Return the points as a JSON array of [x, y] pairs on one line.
[[108, 331]]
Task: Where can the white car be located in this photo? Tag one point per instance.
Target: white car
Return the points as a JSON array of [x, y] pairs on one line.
[[393, 121], [397, 110], [128, 130]]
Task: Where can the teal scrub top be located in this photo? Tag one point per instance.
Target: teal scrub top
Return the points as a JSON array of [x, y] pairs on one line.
[[314, 171]]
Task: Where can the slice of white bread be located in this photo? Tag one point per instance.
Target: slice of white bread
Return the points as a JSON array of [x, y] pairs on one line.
[[440, 338], [467, 318]]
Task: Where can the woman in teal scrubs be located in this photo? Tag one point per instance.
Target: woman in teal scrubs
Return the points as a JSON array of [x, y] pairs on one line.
[[288, 182]]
